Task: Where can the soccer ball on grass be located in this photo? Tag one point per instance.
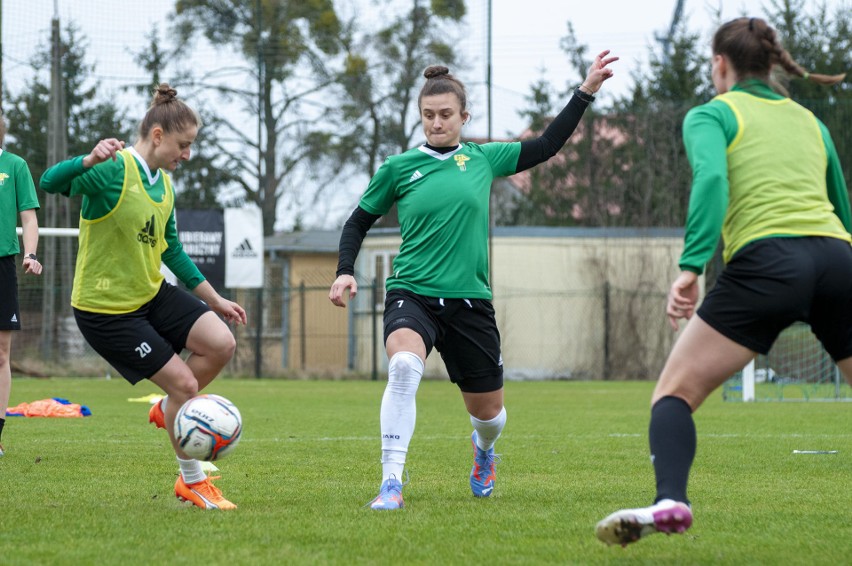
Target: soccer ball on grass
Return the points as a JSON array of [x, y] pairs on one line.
[[208, 427]]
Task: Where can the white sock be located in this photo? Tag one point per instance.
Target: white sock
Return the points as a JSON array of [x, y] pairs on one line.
[[487, 432], [191, 471], [163, 402], [399, 411]]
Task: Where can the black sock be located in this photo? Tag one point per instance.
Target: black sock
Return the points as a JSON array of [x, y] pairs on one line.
[[2, 424], [671, 435]]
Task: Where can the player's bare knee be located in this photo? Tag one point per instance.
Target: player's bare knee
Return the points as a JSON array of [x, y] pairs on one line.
[[184, 387], [228, 346], [220, 349]]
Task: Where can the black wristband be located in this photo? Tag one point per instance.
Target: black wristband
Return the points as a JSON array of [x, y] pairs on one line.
[[584, 96], [32, 257]]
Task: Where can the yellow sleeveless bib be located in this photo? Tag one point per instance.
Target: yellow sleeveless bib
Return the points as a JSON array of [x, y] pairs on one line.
[[776, 174], [119, 255]]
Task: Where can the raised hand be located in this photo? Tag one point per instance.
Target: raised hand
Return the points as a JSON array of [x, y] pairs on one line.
[[106, 149], [599, 71]]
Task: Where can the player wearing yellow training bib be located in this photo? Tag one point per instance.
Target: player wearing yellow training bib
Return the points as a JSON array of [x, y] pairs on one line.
[[766, 176], [438, 295], [124, 308]]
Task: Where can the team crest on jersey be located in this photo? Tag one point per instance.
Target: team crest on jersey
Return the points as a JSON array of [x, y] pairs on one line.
[[461, 161], [3, 177]]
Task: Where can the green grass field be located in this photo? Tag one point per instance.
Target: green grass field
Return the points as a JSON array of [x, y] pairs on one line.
[[99, 490]]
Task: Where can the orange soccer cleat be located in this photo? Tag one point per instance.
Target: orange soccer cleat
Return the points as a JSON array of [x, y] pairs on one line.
[[156, 416], [202, 494]]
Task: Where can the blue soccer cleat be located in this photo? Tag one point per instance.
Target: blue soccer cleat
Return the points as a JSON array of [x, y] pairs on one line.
[[390, 496], [482, 474]]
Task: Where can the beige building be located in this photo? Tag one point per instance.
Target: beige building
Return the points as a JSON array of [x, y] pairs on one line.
[[571, 303]]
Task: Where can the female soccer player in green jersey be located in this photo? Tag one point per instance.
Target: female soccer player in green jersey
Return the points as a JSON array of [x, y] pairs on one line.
[[122, 304], [439, 295], [767, 176], [17, 197]]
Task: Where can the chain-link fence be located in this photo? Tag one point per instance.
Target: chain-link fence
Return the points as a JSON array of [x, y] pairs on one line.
[[600, 333]]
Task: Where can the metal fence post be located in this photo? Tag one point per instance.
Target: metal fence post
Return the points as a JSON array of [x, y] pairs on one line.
[[258, 339], [303, 332], [607, 308], [375, 316]]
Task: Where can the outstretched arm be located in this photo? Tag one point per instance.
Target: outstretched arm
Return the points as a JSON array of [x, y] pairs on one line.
[[560, 129]]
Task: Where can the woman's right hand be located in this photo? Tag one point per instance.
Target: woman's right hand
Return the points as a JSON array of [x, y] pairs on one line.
[[106, 149], [683, 297], [338, 288]]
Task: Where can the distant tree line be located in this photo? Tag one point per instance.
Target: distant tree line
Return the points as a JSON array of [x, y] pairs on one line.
[[322, 95], [626, 165]]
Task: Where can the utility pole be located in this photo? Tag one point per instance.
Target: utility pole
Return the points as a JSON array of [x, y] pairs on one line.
[[491, 203], [57, 264], [665, 39], [258, 339], [1, 56]]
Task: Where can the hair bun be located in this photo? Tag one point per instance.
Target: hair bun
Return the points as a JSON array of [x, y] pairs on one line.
[[435, 71], [164, 93]]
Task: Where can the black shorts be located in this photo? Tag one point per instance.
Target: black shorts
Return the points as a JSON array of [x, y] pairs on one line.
[[10, 315], [464, 331], [138, 344], [770, 284]]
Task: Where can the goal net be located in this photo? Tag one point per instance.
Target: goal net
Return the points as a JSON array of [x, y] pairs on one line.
[[796, 369]]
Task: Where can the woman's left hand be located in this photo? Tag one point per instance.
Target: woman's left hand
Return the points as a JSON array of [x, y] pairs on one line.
[[598, 72], [230, 311], [32, 266]]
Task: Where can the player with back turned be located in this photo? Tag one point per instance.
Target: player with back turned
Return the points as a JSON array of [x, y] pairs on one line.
[[767, 176]]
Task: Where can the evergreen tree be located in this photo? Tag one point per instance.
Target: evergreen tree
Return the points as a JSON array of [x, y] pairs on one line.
[[90, 113], [821, 42]]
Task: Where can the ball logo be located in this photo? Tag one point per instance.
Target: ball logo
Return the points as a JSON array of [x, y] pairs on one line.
[[208, 427]]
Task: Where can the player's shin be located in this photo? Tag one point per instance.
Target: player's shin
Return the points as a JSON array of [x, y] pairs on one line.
[[399, 411]]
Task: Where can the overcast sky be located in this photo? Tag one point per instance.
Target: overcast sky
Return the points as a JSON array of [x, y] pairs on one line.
[[525, 43], [525, 40]]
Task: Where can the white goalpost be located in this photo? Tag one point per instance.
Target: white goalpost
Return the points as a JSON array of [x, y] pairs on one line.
[[67, 232], [748, 382], [797, 368]]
